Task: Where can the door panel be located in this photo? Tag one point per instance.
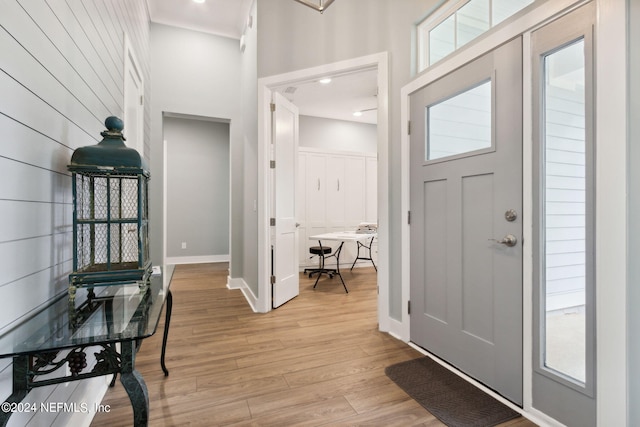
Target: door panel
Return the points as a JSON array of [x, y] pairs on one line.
[[477, 272], [466, 286], [435, 260], [285, 233]]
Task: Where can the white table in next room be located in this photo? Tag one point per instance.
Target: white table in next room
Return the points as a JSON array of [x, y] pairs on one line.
[[342, 237]]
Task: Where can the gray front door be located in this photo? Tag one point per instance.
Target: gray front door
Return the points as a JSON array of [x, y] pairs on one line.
[[466, 219]]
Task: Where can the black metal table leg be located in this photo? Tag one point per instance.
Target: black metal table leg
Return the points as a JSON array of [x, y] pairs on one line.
[[168, 308], [338, 267], [335, 271], [20, 388], [134, 385], [370, 258]]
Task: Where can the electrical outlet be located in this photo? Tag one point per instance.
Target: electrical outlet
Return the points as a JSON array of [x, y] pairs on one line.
[[184, 245]]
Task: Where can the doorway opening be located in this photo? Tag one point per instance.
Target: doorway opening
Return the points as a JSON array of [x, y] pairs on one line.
[[197, 189], [337, 165], [308, 78]]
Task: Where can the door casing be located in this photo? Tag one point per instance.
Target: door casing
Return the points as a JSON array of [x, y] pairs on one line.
[[266, 87]]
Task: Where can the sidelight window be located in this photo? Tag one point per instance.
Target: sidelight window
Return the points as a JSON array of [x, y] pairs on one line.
[[564, 217]]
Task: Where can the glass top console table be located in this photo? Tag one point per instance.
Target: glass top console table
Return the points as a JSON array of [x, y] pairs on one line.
[[51, 346]]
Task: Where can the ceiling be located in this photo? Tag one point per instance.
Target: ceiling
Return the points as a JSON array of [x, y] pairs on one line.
[[226, 18], [339, 99]]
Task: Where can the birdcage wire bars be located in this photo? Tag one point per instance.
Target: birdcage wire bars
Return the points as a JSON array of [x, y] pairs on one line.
[[110, 228]]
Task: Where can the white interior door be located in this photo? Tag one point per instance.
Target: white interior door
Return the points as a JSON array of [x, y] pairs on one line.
[[284, 230], [466, 219]]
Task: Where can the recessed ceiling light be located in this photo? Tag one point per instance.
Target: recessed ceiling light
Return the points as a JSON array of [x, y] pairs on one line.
[[199, 1], [325, 81], [357, 113]]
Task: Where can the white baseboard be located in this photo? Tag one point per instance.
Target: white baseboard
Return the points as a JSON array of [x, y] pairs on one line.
[[197, 259], [91, 392], [81, 397], [239, 283], [396, 330]]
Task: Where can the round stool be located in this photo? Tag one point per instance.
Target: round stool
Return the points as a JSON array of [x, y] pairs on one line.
[[320, 250]]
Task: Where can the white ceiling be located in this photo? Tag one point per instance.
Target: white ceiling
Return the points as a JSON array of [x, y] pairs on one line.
[[339, 99], [228, 18]]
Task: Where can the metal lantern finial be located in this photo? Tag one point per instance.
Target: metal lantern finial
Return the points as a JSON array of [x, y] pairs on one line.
[[110, 213]]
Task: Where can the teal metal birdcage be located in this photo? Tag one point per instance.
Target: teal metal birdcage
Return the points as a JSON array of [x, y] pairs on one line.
[[110, 213]]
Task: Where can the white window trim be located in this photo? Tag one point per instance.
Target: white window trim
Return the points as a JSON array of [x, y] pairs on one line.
[[431, 21]]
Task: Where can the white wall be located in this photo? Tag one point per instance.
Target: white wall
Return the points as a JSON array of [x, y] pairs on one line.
[[245, 205], [197, 189], [195, 74], [61, 75], [338, 135]]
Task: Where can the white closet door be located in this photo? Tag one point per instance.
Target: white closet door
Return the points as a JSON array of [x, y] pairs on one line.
[[335, 206], [354, 191], [316, 200], [371, 197], [301, 209], [316, 187]]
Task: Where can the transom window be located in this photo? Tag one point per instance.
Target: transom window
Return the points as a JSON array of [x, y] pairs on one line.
[[440, 35]]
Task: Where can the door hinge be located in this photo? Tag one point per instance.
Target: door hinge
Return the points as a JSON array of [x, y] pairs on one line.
[[409, 307], [409, 217], [273, 280], [408, 127], [272, 222], [272, 164], [273, 107]]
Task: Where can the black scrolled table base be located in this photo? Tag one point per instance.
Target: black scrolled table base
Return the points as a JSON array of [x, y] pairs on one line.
[[26, 367], [134, 384]]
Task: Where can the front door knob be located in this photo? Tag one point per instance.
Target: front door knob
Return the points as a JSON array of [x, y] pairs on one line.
[[508, 240]]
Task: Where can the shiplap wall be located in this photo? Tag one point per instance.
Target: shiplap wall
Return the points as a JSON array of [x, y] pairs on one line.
[[61, 75]]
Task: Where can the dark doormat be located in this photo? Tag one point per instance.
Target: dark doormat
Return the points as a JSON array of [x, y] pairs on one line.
[[454, 401]]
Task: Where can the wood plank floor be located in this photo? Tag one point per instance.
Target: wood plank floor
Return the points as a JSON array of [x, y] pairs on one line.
[[317, 360]]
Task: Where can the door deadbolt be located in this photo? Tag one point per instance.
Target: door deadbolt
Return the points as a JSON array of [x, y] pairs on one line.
[[510, 215], [508, 240]]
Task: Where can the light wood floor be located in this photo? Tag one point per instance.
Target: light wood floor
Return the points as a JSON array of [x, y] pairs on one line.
[[317, 360]]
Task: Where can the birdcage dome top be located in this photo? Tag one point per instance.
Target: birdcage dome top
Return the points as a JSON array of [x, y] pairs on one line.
[[110, 154]]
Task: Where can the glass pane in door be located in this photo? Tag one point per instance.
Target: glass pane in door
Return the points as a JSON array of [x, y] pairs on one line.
[[460, 124], [565, 244]]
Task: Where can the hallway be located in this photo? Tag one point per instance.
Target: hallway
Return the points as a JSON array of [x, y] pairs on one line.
[[317, 360]]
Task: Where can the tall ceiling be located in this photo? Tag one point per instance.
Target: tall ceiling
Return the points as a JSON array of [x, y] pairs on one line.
[[228, 18], [220, 17]]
